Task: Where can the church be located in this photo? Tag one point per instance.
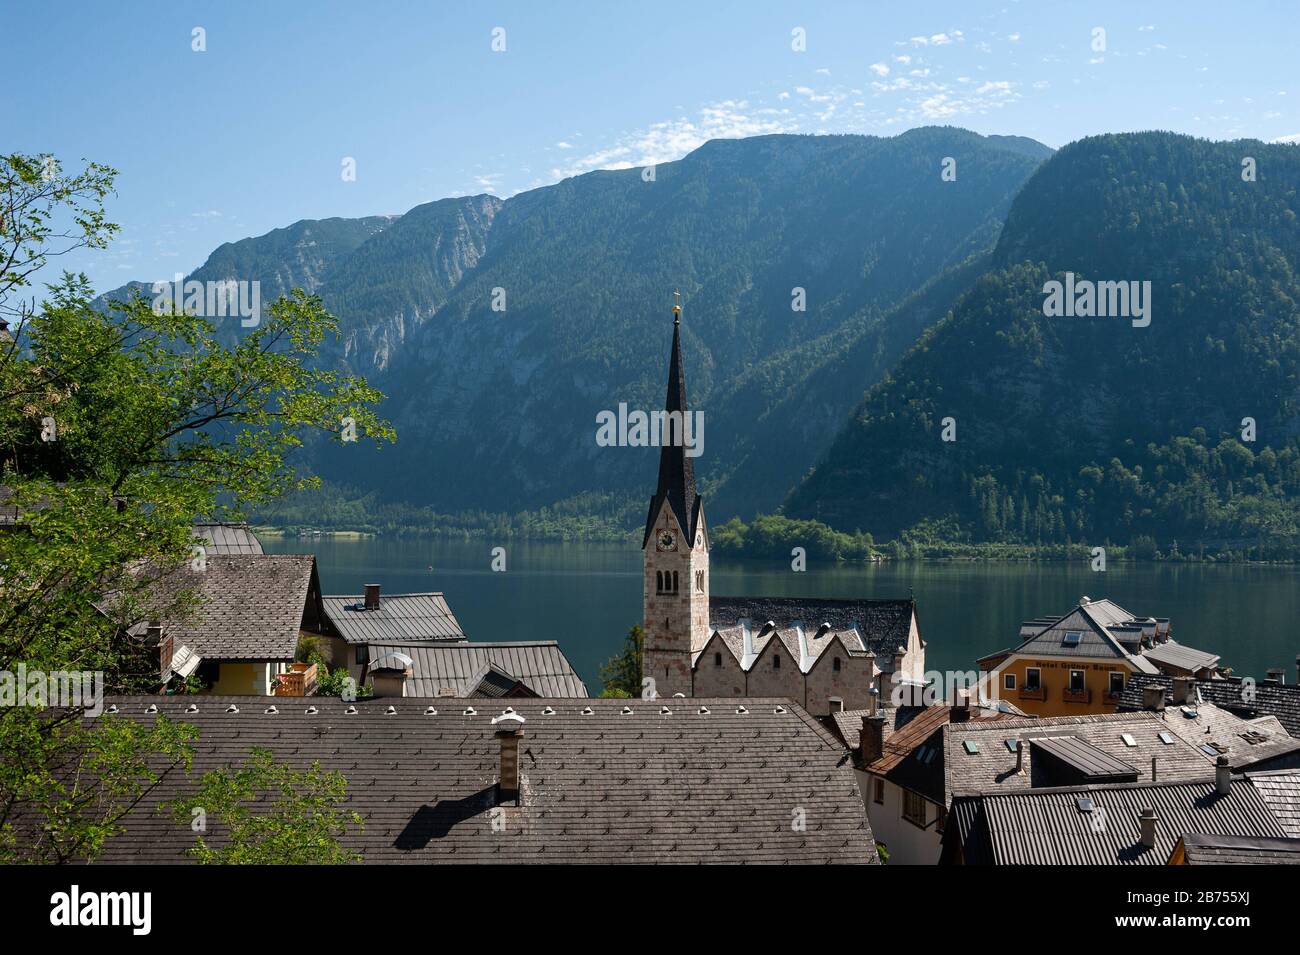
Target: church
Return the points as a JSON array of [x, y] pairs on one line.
[[826, 655]]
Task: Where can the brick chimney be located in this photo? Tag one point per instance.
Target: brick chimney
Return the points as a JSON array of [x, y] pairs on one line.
[[872, 739], [510, 730], [1222, 776], [1184, 690], [960, 712], [372, 597], [1275, 675], [1147, 820], [1153, 698]]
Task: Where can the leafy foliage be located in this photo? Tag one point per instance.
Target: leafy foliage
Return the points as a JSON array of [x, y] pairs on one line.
[[620, 675]]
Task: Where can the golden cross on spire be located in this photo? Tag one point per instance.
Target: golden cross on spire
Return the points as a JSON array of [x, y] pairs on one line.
[[677, 303]]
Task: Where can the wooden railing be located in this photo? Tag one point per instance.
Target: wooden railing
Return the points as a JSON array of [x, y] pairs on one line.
[[299, 680], [1076, 696], [1033, 693]]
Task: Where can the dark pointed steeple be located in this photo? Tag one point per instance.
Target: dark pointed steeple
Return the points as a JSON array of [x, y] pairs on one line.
[[676, 472]]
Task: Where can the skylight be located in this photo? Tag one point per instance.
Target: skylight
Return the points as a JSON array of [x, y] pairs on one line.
[[1012, 745], [1128, 739], [1084, 803], [1072, 638], [1166, 738], [971, 746]]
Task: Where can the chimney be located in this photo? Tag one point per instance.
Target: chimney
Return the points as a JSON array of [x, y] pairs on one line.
[[372, 596], [1222, 776], [1154, 776], [510, 730], [1153, 698], [1184, 690], [960, 712], [1276, 675], [1147, 820], [872, 739], [1021, 746]]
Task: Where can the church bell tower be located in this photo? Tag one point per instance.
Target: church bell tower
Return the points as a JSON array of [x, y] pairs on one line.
[[676, 548]]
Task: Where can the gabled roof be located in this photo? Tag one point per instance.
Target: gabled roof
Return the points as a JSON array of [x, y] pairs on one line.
[[1051, 827], [400, 618], [602, 781], [1093, 629], [883, 626], [1183, 658], [460, 669], [1246, 699], [228, 538], [249, 606], [1197, 849]]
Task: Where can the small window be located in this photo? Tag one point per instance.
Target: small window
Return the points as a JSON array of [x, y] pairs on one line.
[[1116, 683], [1166, 738], [970, 746], [913, 807], [659, 581], [1008, 681], [776, 661], [1128, 739], [880, 791], [699, 581], [1072, 638], [363, 654], [1032, 677], [717, 659], [674, 581], [835, 664], [1076, 681], [1012, 745]]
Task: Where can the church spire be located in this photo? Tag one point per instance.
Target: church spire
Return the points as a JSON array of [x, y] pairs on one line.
[[676, 471]]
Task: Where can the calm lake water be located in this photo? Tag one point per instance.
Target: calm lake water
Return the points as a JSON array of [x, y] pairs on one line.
[[586, 596]]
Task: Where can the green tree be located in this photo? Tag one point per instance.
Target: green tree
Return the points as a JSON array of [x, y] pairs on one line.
[[270, 814], [620, 675], [118, 429]]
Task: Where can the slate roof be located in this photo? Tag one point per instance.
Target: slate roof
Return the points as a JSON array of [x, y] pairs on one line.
[[462, 668], [848, 723], [1247, 700], [1246, 743], [249, 607], [1239, 850], [1103, 628], [925, 723], [882, 626], [603, 781], [400, 618], [676, 470], [945, 766], [1281, 790], [1183, 658], [228, 539], [1047, 827]]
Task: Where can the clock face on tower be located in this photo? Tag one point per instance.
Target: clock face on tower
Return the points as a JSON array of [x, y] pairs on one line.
[[667, 541]]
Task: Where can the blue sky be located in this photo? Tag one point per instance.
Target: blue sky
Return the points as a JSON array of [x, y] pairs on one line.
[[250, 134]]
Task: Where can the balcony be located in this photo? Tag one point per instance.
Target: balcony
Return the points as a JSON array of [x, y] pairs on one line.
[[1076, 696], [299, 680], [1033, 693]]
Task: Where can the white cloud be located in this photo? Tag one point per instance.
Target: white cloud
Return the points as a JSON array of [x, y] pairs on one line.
[[880, 69], [563, 145], [1013, 37], [1293, 138]]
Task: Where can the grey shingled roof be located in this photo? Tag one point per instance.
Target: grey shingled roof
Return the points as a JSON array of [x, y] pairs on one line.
[[602, 786], [1184, 658], [249, 607], [1239, 850], [461, 667], [1281, 790], [228, 539], [1047, 827], [1248, 700], [400, 618], [882, 624]]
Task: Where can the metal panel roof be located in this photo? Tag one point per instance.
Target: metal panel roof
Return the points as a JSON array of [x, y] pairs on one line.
[[228, 539], [458, 668], [1089, 762], [400, 618]]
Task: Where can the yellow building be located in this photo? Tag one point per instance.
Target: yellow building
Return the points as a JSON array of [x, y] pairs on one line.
[[1071, 665]]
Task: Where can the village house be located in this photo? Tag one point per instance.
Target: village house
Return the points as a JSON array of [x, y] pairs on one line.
[[1198, 849], [523, 668], [356, 622], [1247, 698], [1080, 662], [826, 655], [537, 781], [1125, 824]]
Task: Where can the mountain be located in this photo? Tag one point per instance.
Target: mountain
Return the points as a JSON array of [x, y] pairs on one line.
[[496, 408], [1093, 429]]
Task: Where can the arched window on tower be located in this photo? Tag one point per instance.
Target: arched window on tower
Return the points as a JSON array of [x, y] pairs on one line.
[[674, 581], [659, 581], [699, 581]]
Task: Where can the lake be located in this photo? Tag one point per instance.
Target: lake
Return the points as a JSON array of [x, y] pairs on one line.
[[586, 596]]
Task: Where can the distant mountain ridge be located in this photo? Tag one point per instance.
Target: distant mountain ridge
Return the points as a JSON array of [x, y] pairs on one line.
[[496, 409]]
